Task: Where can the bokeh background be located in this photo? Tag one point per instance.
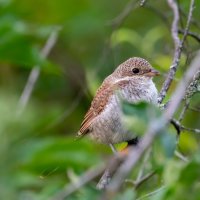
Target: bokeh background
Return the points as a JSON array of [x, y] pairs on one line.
[[38, 151]]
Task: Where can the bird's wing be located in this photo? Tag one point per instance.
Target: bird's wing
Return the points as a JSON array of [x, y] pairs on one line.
[[98, 104]]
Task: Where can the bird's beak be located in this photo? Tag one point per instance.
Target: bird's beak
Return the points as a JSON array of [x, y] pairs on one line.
[[153, 72]]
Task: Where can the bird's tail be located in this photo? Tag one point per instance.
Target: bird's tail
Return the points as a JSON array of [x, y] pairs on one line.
[[79, 136]]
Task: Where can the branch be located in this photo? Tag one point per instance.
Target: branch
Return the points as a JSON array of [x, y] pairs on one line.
[[194, 86], [177, 53], [154, 128], [104, 180], [176, 126], [110, 170], [35, 72], [178, 45]]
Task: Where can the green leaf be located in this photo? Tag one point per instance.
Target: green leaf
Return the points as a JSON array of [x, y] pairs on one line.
[[142, 110], [16, 46], [168, 142], [137, 116], [190, 173]]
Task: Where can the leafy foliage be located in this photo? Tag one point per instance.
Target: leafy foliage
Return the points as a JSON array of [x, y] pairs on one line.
[[38, 150]]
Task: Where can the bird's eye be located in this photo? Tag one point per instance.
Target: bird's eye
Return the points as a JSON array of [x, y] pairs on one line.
[[135, 70]]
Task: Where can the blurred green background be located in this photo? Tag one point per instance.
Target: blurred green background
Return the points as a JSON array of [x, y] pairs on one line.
[[38, 151]]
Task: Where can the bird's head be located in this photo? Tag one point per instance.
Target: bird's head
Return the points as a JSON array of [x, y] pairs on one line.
[[135, 68]]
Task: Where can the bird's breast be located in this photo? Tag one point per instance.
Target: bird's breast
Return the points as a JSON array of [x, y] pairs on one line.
[[134, 93]]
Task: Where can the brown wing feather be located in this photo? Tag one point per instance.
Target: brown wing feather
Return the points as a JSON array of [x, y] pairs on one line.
[[86, 122], [98, 104]]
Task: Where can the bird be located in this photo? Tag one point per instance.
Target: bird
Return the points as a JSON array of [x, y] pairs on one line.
[[132, 82]]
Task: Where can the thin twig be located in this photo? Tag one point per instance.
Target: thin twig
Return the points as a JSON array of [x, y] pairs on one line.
[[84, 179], [140, 181], [30, 84], [154, 128], [159, 13], [67, 112], [180, 156], [181, 128], [191, 90], [194, 109], [35, 72], [191, 34], [141, 171], [194, 22], [178, 45], [194, 130], [124, 14], [151, 193], [183, 85], [182, 114]]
